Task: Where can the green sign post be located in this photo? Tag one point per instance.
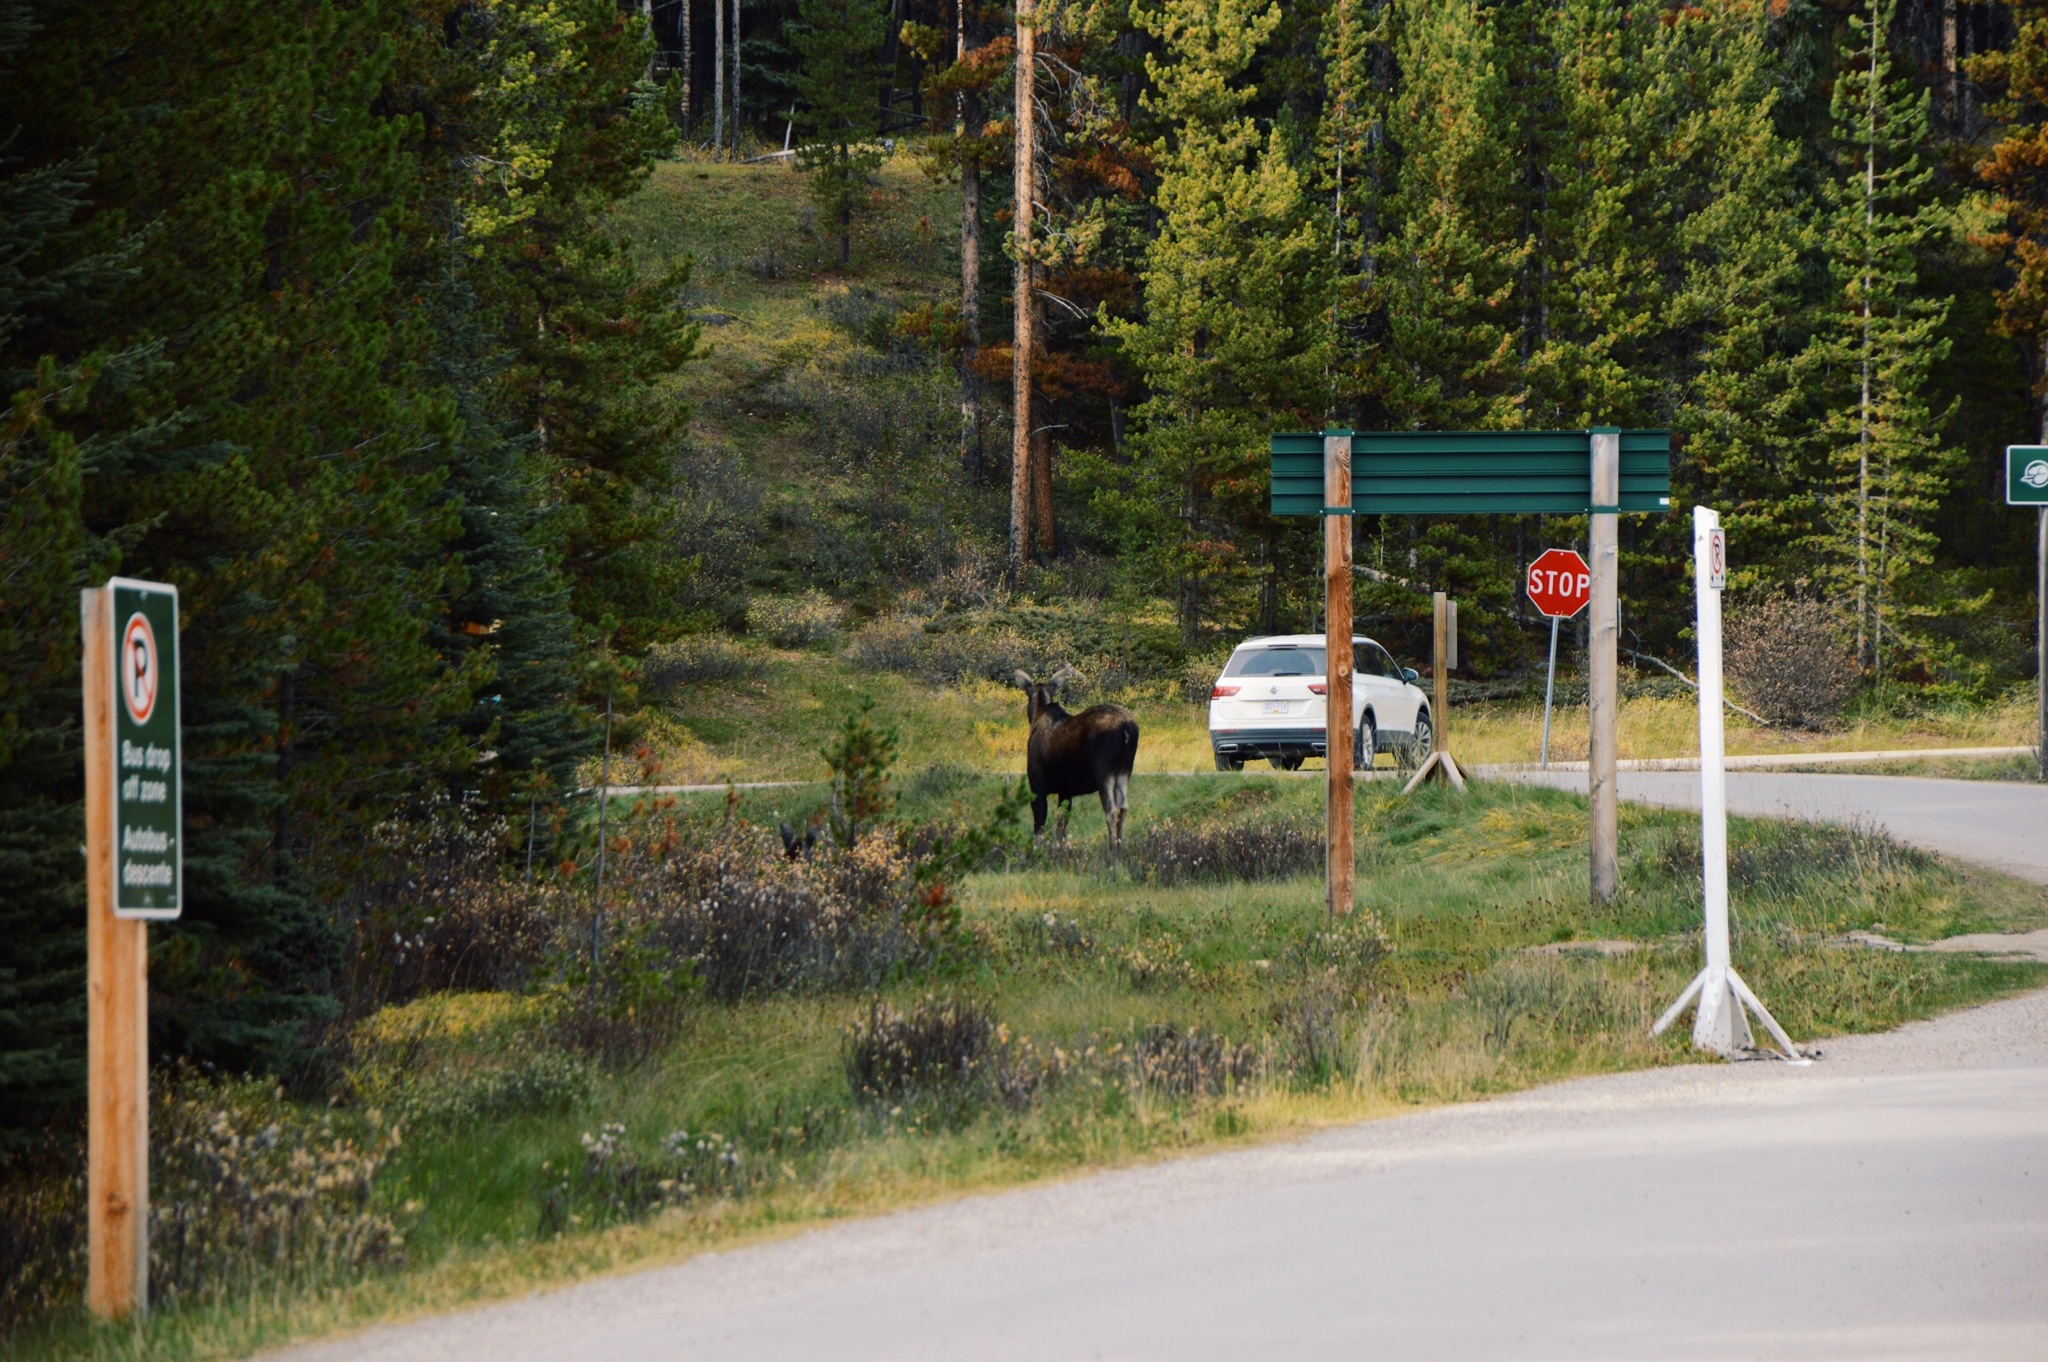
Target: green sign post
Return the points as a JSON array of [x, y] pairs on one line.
[[133, 873], [1601, 473], [2026, 475], [148, 857], [1472, 472], [2026, 484]]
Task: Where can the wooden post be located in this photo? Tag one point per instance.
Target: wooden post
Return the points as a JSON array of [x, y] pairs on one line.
[[1441, 765], [1603, 664], [1340, 868], [117, 1014], [1020, 366]]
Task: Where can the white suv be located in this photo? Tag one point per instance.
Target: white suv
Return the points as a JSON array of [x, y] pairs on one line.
[[1270, 703]]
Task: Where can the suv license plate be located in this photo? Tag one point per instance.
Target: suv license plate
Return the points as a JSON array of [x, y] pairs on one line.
[[1274, 707]]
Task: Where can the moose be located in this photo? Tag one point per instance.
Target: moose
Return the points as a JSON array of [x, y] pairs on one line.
[[1077, 754]]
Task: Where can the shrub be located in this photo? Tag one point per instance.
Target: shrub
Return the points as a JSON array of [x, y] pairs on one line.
[[794, 621], [693, 661], [1787, 659], [42, 1240], [938, 1047], [249, 1190], [1174, 853], [613, 1182], [748, 919], [1155, 964], [433, 913], [1190, 1063]]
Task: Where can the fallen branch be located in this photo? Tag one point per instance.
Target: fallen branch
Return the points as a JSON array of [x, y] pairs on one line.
[[1660, 662]]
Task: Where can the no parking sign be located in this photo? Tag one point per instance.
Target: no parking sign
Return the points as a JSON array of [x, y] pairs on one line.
[[148, 800]]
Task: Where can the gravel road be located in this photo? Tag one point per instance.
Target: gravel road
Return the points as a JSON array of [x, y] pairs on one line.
[[1881, 1204]]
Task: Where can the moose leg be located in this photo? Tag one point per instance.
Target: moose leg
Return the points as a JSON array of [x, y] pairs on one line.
[[1038, 815], [1107, 791], [1123, 806], [1066, 808]]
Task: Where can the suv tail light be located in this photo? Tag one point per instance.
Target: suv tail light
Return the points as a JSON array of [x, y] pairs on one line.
[[1223, 692], [1318, 688]]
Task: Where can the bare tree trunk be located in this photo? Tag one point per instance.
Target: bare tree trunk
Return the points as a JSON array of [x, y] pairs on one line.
[[1041, 487], [970, 268], [689, 64], [1863, 601], [735, 79], [1951, 79], [1020, 367], [718, 78]]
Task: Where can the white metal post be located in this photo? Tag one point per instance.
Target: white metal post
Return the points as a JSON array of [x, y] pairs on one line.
[[1549, 691], [1719, 1024]]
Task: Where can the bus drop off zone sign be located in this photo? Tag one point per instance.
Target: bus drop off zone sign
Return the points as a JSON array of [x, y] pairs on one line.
[[148, 800]]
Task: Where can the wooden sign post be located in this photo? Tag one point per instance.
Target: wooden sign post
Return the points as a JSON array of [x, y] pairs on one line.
[[1604, 665], [1440, 764], [133, 872], [1508, 472], [1341, 865]]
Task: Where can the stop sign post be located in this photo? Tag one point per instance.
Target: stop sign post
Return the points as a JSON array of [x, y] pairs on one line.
[[1560, 585]]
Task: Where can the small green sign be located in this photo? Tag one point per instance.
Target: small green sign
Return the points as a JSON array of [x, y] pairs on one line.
[[148, 800], [2026, 475], [1471, 472]]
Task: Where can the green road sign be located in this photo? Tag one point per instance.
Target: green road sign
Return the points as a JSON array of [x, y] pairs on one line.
[[2026, 475], [148, 801], [1466, 472]]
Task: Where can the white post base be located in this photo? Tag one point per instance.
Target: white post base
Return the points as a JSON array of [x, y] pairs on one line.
[[1720, 1025]]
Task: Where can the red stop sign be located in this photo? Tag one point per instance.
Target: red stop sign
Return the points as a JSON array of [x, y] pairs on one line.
[[1560, 585]]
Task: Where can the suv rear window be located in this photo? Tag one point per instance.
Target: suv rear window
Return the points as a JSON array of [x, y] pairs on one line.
[[1276, 662]]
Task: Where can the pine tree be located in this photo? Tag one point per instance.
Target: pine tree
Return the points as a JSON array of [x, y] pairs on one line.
[[1236, 327], [838, 43], [48, 269], [1883, 465], [1448, 273]]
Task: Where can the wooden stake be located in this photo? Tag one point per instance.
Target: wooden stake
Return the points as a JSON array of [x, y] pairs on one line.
[[1440, 765], [1603, 664], [1341, 864], [117, 1015], [1020, 366]]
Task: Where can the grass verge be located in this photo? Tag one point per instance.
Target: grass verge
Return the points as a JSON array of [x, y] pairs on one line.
[[1103, 1011]]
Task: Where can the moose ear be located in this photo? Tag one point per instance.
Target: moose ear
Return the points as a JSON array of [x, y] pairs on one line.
[[1065, 675], [1022, 679]]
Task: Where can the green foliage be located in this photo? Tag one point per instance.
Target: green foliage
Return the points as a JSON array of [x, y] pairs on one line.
[[861, 761], [839, 83], [1230, 344], [1882, 465]]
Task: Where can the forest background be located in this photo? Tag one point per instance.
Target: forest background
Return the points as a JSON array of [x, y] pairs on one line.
[[331, 314]]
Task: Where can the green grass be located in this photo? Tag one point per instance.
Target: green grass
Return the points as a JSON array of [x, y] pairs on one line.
[[1463, 887]]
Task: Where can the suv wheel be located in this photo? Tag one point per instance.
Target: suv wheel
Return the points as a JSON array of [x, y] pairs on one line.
[[1422, 744], [1366, 746], [1224, 763]]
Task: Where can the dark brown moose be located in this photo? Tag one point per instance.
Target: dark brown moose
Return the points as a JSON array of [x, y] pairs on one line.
[[1078, 754]]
